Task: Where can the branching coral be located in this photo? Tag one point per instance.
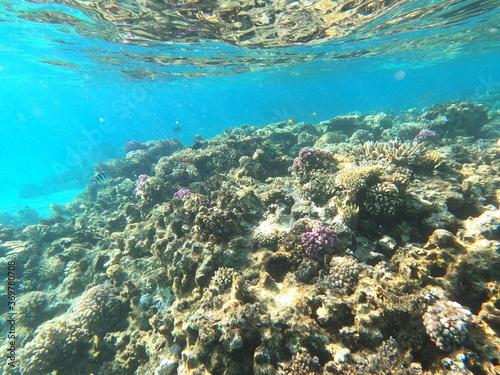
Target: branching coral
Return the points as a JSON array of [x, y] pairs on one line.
[[353, 179], [319, 242], [396, 152], [302, 364]]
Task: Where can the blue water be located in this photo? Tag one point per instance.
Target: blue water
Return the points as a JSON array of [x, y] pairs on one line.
[[57, 122]]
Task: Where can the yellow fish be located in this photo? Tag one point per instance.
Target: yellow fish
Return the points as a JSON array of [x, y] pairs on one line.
[[291, 121], [313, 114]]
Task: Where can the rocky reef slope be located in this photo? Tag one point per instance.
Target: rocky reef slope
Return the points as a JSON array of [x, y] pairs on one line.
[[367, 244]]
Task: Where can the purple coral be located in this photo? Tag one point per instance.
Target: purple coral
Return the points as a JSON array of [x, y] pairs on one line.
[[426, 135], [141, 183], [319, 242], [310, 159], [182, 193], [134, 146]]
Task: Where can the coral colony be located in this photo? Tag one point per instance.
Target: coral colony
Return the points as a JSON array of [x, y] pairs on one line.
[[426, 135], [134, 146], [141, 183], [182, 193], [326, 249], [318, 242], [446, 324]]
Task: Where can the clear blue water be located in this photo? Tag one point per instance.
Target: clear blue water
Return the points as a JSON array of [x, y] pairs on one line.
[[58, 121]]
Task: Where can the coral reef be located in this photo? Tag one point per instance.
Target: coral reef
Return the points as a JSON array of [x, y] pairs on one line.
[[141, 183], [426, 135], [382, 199], [182, 193], [446, 324], [319, 242], [288, 249], [459, 117], [56, 342], [134, 146]]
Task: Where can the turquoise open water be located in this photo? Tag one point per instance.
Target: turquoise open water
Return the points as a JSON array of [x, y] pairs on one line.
[[79, 80]]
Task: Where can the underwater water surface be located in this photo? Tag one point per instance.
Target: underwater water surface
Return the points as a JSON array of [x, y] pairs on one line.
[[250, 187], [80, 79]]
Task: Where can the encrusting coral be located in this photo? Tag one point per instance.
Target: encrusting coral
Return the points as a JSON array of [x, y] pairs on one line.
[[257, 252], [56, 342]]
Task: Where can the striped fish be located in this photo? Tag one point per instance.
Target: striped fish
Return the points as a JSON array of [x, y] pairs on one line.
[[100, 178]]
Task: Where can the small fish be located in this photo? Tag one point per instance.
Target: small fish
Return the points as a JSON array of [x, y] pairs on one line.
[[100, 178], [314, 114], [291, 121], [177, 129]]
